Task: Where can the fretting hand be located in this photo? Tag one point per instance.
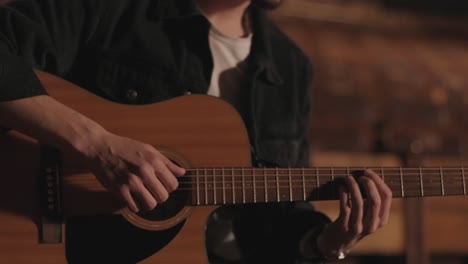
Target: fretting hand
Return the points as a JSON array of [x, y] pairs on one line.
[[358, 217]]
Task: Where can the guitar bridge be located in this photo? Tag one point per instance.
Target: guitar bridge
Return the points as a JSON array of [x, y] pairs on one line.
[[50, 196]]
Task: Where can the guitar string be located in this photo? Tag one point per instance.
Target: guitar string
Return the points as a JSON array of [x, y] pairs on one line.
[[395, 182], [314, 186], [430, 173], [287, 184], [326, 175], [299, 184], [285, 195], [298, 178], [330, 168], [409, 188], [397, 189], [434, 176], [393, 177]]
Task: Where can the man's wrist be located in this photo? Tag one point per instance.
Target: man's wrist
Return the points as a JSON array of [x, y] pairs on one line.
[[312, 246], [309, 246]]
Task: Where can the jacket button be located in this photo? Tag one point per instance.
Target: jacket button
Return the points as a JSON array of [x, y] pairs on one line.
[[131, 94]]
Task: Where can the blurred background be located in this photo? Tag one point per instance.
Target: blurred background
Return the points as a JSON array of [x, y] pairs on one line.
[[390, 88]]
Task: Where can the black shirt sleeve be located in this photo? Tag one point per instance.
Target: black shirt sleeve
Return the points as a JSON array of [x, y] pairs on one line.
[[41, 34]]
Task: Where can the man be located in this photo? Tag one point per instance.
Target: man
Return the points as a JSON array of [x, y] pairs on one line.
[[166, 48]]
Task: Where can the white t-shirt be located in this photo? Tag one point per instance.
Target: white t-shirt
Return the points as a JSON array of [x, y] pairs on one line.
[[229, 68]]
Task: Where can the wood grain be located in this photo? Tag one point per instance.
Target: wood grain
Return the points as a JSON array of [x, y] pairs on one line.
[[176, 126]]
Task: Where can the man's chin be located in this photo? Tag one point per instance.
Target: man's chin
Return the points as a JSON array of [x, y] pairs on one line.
[[267, 4]]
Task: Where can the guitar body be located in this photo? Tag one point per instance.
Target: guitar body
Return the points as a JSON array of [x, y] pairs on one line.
[[194, 131]]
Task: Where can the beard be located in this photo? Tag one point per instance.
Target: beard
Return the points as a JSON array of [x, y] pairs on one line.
[[267, 4]]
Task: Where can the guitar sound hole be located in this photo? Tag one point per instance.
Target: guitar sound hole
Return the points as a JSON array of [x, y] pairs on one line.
[[176, 202]]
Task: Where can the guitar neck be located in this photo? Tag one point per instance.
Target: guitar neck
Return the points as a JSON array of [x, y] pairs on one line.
[[217, 186]]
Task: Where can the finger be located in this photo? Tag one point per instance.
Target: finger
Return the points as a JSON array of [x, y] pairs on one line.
[[124, 194], [153, 183], [357, 207], [143, 196], [174, 168], [345, 210], [385, 196], [371, 215], [165, 176]]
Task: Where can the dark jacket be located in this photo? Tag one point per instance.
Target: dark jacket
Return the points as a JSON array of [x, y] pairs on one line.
[[145, 51]]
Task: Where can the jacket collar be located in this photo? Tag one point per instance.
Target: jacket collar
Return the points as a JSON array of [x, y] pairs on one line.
[[261, 51]]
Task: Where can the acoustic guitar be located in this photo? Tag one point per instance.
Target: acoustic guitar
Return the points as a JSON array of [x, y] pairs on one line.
[[201, 133]]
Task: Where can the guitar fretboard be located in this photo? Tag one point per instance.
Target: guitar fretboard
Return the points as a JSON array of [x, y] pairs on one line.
[[217, 186]]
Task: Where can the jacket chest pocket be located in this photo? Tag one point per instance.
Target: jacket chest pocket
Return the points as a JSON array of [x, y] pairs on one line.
[[133, 82]]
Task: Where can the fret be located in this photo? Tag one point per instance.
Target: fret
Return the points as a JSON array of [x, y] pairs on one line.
[[277, 186], [463, 179], [304, 195], [214, 186], [413, 183], [233, 186], [266, 185], [421, 181], [347, 174], [243, 185], [318, 183], [334, 195], [198, 187], [401, 183], [254, 186], [206, 187], [290, 185], [442, 182], [224, 185]]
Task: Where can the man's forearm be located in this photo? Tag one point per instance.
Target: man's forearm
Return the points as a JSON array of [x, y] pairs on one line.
[[139, 175], [50, 122]]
